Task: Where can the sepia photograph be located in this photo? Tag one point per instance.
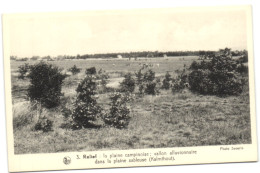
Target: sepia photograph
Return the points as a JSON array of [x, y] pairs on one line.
[[123, 88]]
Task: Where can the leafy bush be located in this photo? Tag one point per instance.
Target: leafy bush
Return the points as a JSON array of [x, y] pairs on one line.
[[139, 81], [23, 70], [200, 82], [45, 84], [150, 88], [128, 84], [74, 70], [44, 124], [103, 77], [244, 57], [147, 82], [181, 81], [217, 77], [150, 83], [195, 65], [86, 109], [241, 68], [149, 76], [166, 81], [139, 77], [91, 71], [118, 115]]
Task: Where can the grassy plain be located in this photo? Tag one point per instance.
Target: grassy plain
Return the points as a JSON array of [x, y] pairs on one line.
[[167, 120]]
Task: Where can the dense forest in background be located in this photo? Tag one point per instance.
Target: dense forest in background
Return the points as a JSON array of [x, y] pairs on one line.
[[129, 55]]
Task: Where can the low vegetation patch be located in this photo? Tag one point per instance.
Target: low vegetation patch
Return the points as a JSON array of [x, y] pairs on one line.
[[44, 124]]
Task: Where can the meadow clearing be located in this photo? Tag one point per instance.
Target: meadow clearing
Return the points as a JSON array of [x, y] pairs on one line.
[[166, 120]]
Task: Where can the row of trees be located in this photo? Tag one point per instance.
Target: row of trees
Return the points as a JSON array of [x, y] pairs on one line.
[[150, 54]]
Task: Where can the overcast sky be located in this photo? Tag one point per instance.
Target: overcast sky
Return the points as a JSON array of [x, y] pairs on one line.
[[107, 32]]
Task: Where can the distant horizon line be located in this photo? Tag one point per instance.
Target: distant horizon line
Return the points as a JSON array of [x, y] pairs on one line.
[[121, 52]]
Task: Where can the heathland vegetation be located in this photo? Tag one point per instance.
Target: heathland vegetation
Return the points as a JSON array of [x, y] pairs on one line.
[[120, 104]]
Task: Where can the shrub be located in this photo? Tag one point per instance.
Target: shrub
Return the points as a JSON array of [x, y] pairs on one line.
[[128, 84], [217, 77], [139, 81], [91, 71], [45, 84], [86, 109], [200, 82], [181, 81], [103, 77], [139, 77], [194, 65], [23, 70], [44, 124], [150, 83], [166, 81], [149, 76], [147, 82], [118, 115], [241, 68], [74, 70], [150, 88], [244, 57]]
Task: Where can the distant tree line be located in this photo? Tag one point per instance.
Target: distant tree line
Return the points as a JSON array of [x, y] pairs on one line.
[[133, 55]]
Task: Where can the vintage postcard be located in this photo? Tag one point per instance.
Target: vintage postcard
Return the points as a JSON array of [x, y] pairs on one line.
[[127, 88]]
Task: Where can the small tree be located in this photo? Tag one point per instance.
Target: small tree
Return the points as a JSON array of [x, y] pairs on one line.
[[128, 84], [91, 71], [45, 84], [74, 70], [150, 88], [181, 81], [139, 77], [146, 82], [150, 83], [23, 70], [86, 108], [118, 115], [139, 81], [103, 77], [149, 76], [166, 81], [219, 76]]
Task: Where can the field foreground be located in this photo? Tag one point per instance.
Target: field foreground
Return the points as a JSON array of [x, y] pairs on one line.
[[167, 120]]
